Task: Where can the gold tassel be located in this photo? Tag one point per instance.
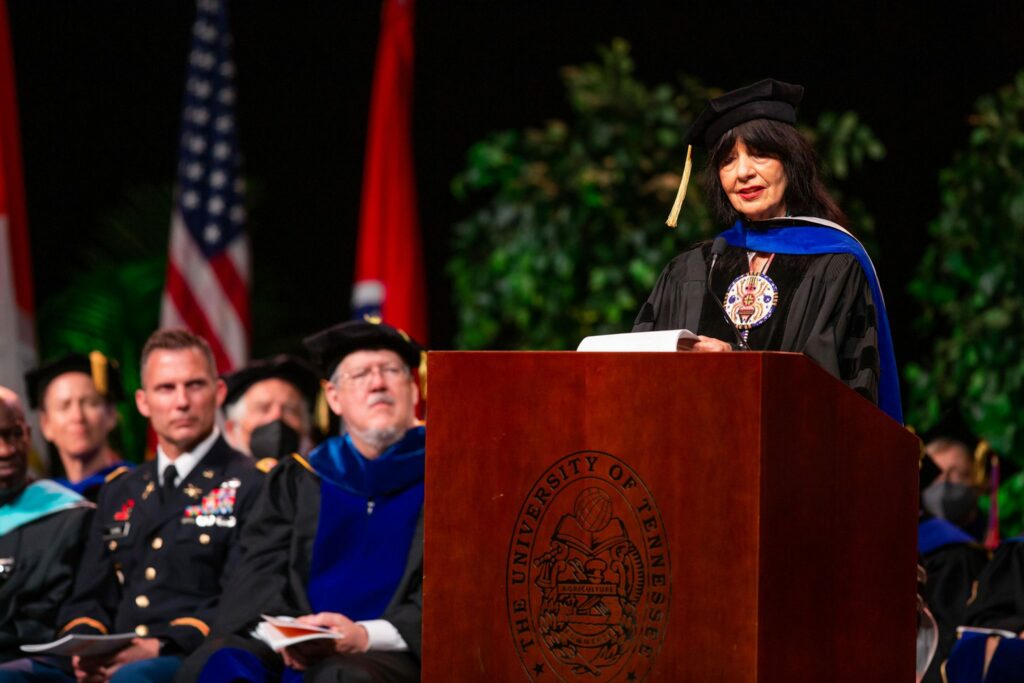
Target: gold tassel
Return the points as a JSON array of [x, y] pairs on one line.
[[673, 216], [321, 413], [980, 456], [423, 376], [98, 370]]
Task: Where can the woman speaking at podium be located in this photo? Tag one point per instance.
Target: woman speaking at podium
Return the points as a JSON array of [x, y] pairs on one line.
[[787, 276]]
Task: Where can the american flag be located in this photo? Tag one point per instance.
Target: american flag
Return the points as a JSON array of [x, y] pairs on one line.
[[207, 288]]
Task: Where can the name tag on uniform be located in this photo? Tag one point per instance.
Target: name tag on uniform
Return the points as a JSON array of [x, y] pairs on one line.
[[112, 532]]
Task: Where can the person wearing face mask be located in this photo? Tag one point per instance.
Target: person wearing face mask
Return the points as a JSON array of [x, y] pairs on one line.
[[962, 460], [789, 275], [336, 539], [952, 561], [267, 408], [75, 396]]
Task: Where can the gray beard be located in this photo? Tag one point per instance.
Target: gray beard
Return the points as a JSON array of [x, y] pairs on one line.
[[379, 438]]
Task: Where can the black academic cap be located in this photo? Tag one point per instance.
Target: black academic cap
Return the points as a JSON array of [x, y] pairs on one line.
[[105, 373], [329, 347], [288, 368], [767, 99], [929, 472], [952, 427]]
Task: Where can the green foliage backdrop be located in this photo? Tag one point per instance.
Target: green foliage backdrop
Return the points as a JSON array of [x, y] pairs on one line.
[[566, 234], [970, 286], [112, 302]]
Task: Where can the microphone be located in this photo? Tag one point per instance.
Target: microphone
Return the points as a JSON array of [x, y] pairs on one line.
[[717, 249]]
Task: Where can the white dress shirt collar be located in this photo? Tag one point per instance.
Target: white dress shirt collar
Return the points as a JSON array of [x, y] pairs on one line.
[[186, 462]]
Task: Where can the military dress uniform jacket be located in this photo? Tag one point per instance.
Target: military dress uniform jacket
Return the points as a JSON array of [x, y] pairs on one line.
[[37, 570], [158, 568], [274, 575]]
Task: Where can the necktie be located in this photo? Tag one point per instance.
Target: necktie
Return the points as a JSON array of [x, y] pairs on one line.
[[170, 474]]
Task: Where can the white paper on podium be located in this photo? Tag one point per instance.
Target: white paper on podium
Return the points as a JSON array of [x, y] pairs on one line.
[[663, 340]]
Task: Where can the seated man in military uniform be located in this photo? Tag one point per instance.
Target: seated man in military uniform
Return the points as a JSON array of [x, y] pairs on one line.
[[336, 539], [165, 534], [42, 527], [75, 396]]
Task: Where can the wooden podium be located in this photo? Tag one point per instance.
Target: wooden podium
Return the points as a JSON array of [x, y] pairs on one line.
[[664, 517]]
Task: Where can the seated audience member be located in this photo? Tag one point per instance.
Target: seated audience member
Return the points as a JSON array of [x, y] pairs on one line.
[[996, 657], [267, 408], [75, 396], [336, 539], [952, 560], [42, 526], [164, 535], [962, 460]]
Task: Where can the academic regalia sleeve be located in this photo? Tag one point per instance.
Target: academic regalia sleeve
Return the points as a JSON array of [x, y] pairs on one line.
[[842, 336], [267, 578], [49, 551], [952, 571], [96, 594], [406, 612], [675, 302], [1000, 598]]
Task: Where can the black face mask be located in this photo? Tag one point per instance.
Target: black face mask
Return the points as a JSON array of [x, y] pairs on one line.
[[952, 502], [273, 440]]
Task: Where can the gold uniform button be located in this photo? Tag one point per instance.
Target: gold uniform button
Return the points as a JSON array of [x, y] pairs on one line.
[[204, 539], [112, 545], [142, 601], [157, 543], [141, 630], [150, 573]]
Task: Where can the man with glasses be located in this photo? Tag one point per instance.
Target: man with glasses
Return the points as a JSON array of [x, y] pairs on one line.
[[42, 527], [335, 538]]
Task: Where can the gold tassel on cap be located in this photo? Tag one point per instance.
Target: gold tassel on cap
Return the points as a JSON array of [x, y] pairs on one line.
[[981, 454], [673, 216], [98, 370], [423, 375], [321, 414]]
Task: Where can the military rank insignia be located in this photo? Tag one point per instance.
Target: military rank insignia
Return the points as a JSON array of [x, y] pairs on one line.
[[216, 508]]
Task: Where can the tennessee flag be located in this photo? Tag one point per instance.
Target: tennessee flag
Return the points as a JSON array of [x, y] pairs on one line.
[[390, 280]]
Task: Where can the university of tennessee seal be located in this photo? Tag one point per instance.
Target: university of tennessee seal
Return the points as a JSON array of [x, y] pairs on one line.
[[587, 579]]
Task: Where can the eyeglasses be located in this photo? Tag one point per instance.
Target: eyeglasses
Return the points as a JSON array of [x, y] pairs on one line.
[[361, 377], [12, 434]]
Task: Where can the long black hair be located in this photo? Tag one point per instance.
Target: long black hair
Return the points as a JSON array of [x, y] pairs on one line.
[[805, 193]]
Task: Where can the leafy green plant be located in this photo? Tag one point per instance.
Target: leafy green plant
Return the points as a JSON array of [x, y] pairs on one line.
[[971, 290], [112, 302], [567, 233]]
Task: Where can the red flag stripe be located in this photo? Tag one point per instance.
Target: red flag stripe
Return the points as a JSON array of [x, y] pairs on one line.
[[194, 316]]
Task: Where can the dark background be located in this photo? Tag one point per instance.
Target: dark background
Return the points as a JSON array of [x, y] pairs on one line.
[[100, 88]]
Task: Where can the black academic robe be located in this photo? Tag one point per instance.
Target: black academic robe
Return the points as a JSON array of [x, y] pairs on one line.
[[1000, 599], [278, 548], [158, 568], [952, 573], [41, 556], [825, 309]]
